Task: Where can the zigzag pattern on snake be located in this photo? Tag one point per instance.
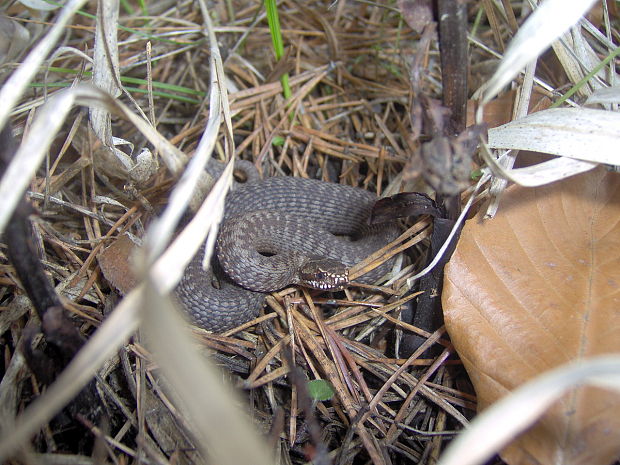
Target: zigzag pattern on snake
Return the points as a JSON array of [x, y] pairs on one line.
[[269, 228]]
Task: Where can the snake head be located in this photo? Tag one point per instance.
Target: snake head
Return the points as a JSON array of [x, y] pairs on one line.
[[323, 273]]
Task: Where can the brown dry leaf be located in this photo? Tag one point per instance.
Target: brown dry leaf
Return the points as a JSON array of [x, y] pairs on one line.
[[417, 13], [535, 288], [500, 110], [115, 264]]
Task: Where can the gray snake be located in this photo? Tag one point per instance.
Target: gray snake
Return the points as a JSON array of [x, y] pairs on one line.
[[273, 232]]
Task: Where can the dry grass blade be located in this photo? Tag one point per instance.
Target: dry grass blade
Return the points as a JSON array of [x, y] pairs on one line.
[[540, 174], [14, 39], [548, 21], [13, 89], [588, 135], [196, 385], [513, 414], [105, 65], [192, 181], [608, 95], [563, 131]]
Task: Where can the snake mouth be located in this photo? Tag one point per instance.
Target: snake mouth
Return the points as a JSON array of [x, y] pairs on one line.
[[324, 274]]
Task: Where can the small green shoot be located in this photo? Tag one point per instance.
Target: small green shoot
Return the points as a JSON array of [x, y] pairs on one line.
[[475, 175], [278, 44]]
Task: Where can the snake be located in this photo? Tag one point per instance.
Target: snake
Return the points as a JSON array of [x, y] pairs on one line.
[[277, 232]]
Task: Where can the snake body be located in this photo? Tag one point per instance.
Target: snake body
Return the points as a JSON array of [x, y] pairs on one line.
[[273, 232]]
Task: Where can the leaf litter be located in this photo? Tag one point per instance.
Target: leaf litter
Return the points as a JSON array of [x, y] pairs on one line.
[[352, 115]]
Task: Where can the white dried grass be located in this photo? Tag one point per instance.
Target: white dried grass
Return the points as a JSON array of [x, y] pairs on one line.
[[499, 424]]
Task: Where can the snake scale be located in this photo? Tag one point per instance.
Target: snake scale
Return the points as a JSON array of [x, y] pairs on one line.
[[277, 232]]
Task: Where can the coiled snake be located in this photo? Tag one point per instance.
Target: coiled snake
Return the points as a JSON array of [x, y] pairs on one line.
[[277, 232]]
